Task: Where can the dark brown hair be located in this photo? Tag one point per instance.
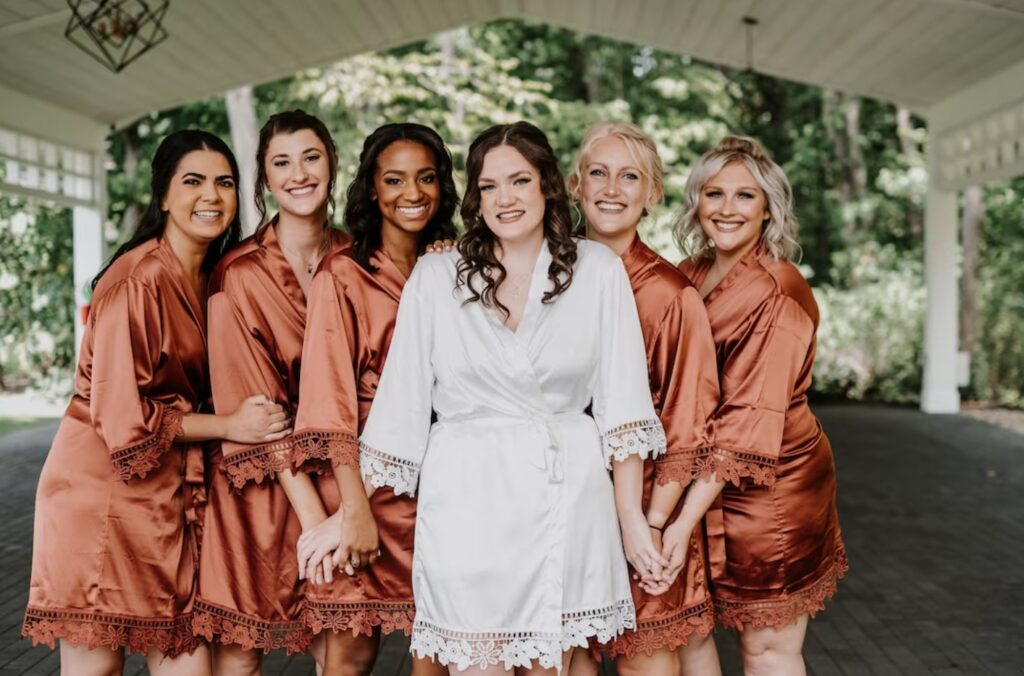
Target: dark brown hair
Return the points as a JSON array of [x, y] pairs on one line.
[[362, 212], [477, 245], [290, 122]]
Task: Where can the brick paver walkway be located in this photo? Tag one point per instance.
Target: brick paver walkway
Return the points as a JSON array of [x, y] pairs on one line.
[[932, 509]]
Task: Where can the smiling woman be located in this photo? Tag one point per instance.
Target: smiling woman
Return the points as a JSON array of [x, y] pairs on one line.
[[123, 483]]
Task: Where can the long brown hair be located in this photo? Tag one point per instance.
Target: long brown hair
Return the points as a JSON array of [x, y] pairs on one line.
[[289, 122], [477, 245]]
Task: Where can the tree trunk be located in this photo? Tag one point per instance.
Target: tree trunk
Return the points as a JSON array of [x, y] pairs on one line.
[[130, 166], [970, 235], [842, 125], [245, 139]]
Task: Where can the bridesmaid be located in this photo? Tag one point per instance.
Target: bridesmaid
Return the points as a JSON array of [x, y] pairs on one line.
[[402, 197], [617, 178], [118, 503], [250, 595], [774, 541]]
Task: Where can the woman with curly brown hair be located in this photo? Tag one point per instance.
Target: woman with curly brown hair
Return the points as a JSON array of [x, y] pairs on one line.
[[774, 543], [518, 556]]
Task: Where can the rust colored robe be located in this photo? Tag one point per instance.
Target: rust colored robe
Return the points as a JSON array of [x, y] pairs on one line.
[[684, 389], [249, 589], [114, 555], [352, 316], [773, 536]]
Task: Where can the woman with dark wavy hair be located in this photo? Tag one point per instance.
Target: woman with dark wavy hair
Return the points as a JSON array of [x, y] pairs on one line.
[[509, 339], [250, 593], [118, 504], [402, 197]]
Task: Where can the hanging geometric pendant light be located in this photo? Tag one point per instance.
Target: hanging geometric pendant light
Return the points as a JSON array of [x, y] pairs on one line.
[[116, 32]]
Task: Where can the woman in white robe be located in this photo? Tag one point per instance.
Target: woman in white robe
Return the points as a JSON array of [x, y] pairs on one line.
[[518, 554]]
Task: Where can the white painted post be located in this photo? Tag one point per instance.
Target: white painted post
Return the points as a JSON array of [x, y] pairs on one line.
[[939, 393], [88, 242], [245, 139]]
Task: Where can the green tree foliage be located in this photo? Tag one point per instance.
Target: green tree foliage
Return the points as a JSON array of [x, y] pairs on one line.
[[856, 165]]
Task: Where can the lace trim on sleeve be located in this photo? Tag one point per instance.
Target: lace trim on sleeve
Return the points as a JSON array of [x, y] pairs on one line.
[[140, 459], [256, 463], [645, 438], [727, 465], [387, 470], [319, 450]]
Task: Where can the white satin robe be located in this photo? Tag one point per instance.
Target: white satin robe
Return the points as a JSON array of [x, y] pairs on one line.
[[517, 548]]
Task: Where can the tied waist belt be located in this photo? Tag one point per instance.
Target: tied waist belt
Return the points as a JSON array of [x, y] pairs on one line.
[[548, 455]]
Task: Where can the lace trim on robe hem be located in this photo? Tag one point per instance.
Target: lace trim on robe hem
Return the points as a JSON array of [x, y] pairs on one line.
[[783, 612], [257, 463], [230, 627], [645, 438], [665, 633], [172, 637], [359, 618], [387, 470], [726, 465], [139, 459], [521, 649], [320, 450]]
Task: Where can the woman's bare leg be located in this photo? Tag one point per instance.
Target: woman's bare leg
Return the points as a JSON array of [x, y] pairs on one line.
[[774, 652], [198, 663], [80, 661]]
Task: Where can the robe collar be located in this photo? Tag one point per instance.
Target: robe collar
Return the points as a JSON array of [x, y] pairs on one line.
[[162, 248], [388, 277], [639, 259], [281, 269], [701, 270]]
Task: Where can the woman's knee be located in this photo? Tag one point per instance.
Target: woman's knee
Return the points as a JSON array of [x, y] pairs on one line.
[[349, 655]]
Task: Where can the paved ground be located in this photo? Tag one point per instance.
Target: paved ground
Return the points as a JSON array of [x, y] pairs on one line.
[[933, 513]]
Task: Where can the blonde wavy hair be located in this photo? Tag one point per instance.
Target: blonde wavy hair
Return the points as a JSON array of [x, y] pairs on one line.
[[641, 149], [778, 233]]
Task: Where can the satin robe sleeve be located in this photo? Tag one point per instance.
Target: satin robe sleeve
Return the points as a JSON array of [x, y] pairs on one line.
[[759, 379], [622, 397], [327, 421], [684, 378], [394, 439], [126, 344], [241, 366]]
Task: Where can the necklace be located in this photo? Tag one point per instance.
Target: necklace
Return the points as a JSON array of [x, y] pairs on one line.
[[517, 284], [310, 265]]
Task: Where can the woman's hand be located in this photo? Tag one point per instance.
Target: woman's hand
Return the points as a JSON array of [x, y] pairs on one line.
[[676, 547], [257, 420], [315, 548], [360, 544], [649, 584], [440, 246], [641, 553]]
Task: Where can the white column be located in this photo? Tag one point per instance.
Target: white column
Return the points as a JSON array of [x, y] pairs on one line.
[[87, 223], [939, 392], [245, 139]]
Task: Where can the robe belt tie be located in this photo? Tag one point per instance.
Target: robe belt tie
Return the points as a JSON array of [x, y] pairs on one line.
[[549, 455], [714, 527], [195, 486]]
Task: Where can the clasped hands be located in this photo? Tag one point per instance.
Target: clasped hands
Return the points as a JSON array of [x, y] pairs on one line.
[[347, 539], [657, 556]]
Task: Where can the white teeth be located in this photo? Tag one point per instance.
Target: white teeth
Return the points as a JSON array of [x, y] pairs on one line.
[[728, 227], [207, 214], [303, 191], [510, 215], [413, 211], [611, 206]]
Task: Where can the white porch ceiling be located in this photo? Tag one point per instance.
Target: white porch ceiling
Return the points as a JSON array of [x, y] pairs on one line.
[[913, 52]]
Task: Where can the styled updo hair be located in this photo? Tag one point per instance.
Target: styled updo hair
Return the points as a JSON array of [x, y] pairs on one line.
[[641, 149], [778, 233], [289, 122], [477, 245]]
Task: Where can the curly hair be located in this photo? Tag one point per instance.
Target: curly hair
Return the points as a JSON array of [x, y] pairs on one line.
[[778, 233], [477, 245], [290, 122], [362, 212]]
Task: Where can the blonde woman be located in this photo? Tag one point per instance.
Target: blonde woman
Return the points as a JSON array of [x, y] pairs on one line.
[[774, 542], [616, 180]]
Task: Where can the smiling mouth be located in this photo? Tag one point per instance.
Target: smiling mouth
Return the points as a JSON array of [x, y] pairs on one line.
[[413, 212], [728, 227], [303, 191], [208, 214], [509, 216], [610, 207]]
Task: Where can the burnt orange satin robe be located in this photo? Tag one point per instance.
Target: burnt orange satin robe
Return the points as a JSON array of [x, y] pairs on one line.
[[774, 542], [351, 321], [114, 555], [684, 388], [250, 594]]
